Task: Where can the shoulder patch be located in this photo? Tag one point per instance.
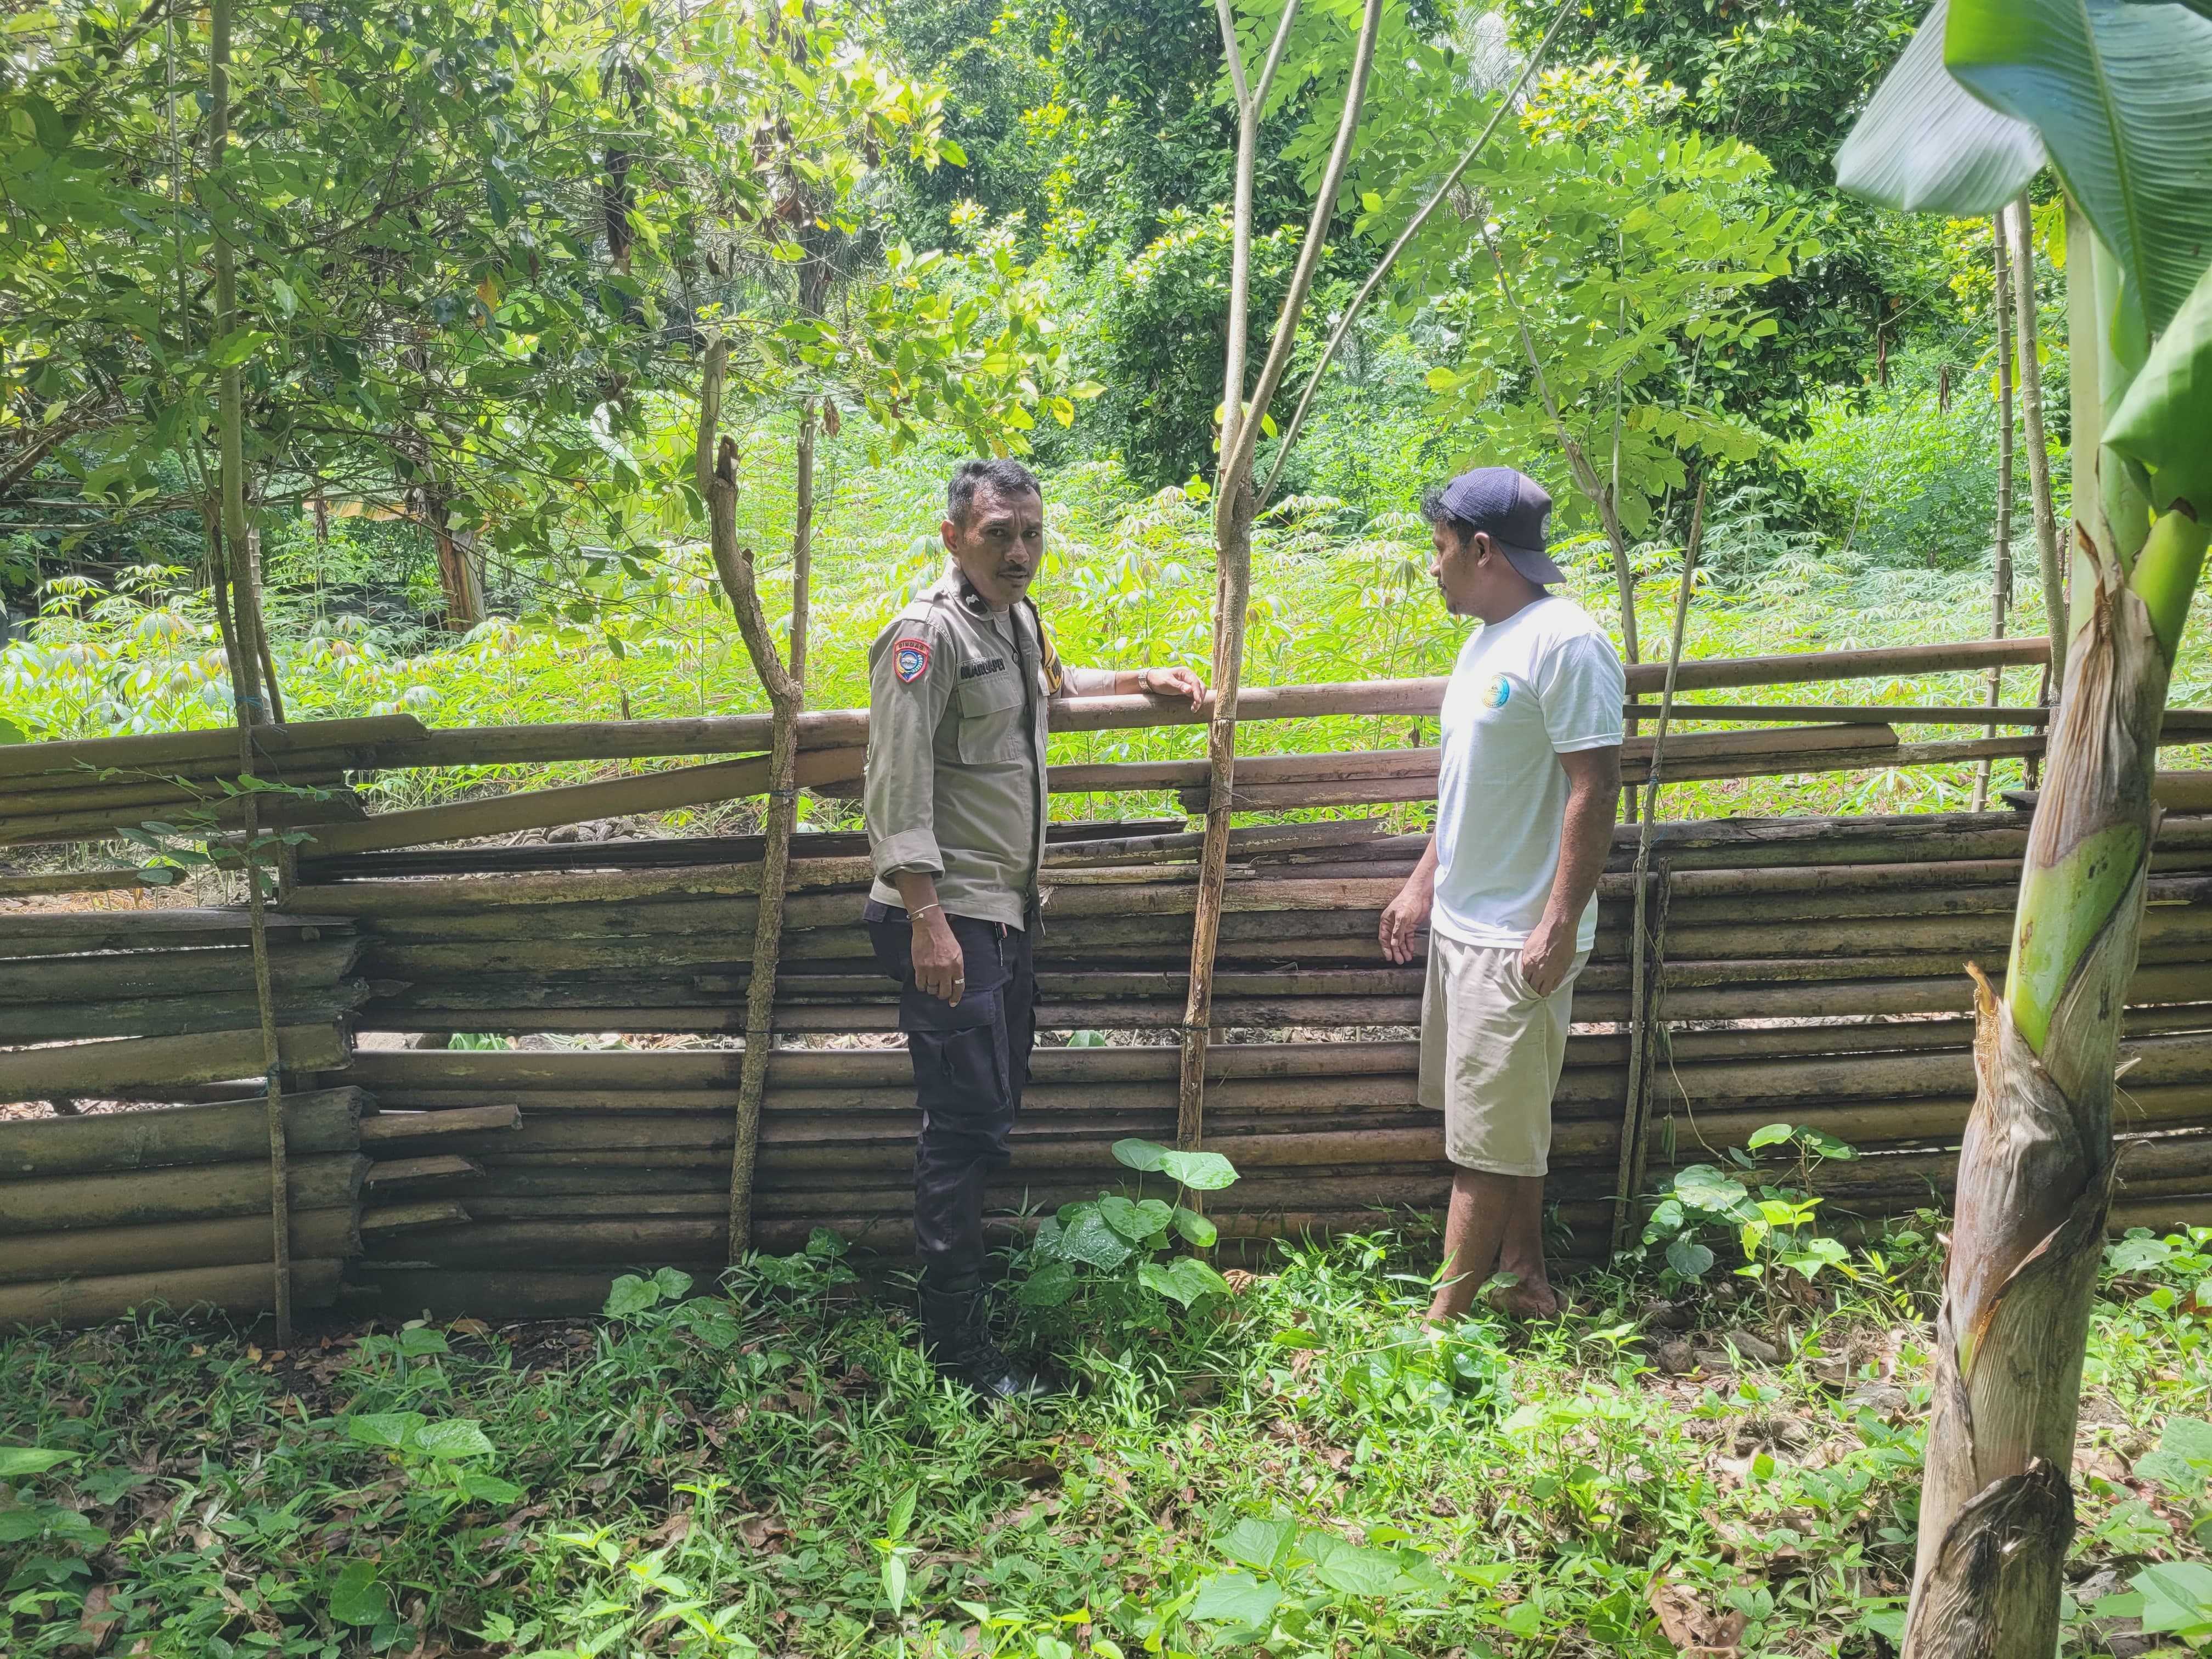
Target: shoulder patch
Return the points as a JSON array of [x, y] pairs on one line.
[[909, 658]]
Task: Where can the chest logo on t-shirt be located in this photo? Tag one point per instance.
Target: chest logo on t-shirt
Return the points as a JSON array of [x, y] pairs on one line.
[[1496, 691], [910, 660]]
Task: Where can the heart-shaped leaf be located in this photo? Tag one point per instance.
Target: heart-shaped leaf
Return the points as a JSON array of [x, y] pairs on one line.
[[630, 1295], [1258, 1543], [1204, 1172], [395, 1430], [357, 1598], [1194, 1228], [1236, 1598], [454, 1438]]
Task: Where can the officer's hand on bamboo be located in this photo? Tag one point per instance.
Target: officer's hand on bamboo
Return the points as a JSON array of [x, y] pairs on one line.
[[1171, 683]]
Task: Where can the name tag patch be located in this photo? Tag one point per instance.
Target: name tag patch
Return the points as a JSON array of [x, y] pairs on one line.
[[975, 671], [910, 659]]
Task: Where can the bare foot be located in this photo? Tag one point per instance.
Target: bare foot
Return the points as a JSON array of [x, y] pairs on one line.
[[1519, 1300]]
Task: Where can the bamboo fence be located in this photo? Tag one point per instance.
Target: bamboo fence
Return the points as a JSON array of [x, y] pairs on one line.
[[1795, 970]]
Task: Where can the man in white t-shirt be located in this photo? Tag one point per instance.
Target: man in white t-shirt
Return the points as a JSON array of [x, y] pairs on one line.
[[1508, 888]]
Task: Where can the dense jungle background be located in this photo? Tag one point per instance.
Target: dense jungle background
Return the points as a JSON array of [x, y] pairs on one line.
[[480, 247]]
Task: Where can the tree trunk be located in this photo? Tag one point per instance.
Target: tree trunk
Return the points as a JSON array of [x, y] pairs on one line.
[[245, 654], [1235, 500], [2035, 1168], [715, 463], [456, 576]]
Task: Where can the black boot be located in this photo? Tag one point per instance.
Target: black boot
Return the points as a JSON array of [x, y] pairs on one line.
[[956, 1338]]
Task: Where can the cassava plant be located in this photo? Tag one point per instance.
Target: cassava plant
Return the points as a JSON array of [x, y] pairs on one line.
[[2118, 98]]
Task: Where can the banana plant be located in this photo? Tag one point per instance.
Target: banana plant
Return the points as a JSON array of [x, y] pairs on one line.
[[2116, 97]]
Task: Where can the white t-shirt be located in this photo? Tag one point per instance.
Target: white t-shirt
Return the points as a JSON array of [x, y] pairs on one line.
[[1543, 683]]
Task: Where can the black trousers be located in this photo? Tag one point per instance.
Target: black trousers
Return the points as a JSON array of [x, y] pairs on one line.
[[971, 1063]]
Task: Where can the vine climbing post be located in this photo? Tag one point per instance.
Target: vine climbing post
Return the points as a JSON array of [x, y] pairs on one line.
[[1236, 499], [715, 470], [1650, 924], [234, 564]]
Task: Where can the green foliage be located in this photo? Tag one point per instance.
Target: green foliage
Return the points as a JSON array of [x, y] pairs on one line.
[[741, 1468], [1109, 1249], [2172, 1598], [631, 1294], [2138, 160], [1626, 257], [1775, 1229], [1907, 481]]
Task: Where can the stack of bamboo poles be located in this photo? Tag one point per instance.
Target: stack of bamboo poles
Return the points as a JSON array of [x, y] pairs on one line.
[[87, 790], [180, 981], [100, 1214], [1811, 972]]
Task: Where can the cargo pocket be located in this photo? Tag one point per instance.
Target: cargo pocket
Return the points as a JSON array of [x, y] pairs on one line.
[[959, 1052]]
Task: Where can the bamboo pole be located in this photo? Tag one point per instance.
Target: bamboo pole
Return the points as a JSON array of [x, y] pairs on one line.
[[242, 1290], [401, 741], [185, 1192], [159, 972], [319, 1120], [1642, 987], [108, 1070], [204, 754], [169, 1245], [539, 808], [716, 470], [246, 648]]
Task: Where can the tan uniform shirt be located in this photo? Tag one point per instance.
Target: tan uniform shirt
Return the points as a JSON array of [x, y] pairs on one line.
[[957, 698]]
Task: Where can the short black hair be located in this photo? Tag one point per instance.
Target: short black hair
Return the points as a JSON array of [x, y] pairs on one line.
[[1004, 476], [1434, 511]]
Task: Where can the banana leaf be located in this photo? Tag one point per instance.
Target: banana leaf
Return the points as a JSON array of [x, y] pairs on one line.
[[2121, 94], [1927, 144]]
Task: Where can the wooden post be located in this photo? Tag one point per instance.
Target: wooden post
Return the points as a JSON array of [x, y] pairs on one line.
[[2000, 583], [1235, 500], [1644, 979], [245, 652], [802, 545], [715, 466]]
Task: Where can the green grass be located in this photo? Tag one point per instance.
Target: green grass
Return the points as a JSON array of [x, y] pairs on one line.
[[771, 1469], [1127, 580]]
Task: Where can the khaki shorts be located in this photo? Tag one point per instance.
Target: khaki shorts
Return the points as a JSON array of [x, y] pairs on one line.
[[1491, 1050]]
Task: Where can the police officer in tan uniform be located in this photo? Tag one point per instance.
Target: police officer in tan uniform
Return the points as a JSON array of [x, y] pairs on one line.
[[959, 685]]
